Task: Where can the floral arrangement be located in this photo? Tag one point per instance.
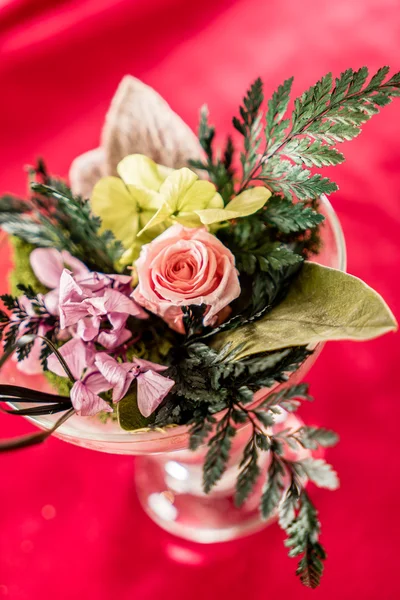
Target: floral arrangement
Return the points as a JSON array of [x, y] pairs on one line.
[[171, 282]]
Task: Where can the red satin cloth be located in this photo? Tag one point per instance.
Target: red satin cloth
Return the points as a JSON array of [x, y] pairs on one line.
[[70, 523]]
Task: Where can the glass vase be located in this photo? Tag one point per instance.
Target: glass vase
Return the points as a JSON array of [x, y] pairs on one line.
[[168, 475]]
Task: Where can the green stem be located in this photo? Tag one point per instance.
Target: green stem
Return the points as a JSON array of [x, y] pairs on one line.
[[32, 439]]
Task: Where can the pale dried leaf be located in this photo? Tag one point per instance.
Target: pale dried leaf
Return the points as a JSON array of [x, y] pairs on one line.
[[140, 121], [86, 170]]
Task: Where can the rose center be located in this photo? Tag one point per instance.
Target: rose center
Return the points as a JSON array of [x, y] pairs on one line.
[[183, 269]]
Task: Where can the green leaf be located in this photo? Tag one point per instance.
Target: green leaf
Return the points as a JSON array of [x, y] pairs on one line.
[[311, 567], [200, 430], [311, 102], [277, 106], [249, 125], [277, 258], [12, 205], [249, 472], [206, 132], [251, 105], [219, 169], [287, 508], [319, 472], [303, 533], [322, 304], [304, 528], [322, 117], [378, 78], [272, 491], [359, 78], [314, 437], [22, 270], [53, 217], [292, 181], [289, 217], [129, 415], [25, 228], [312, 154], [288, 398], [219, 447]]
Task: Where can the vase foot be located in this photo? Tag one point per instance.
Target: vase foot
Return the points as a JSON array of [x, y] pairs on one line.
[[165, 490]]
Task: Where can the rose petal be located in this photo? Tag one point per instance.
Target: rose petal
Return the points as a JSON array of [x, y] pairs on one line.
[[151, 391], [185, 266]]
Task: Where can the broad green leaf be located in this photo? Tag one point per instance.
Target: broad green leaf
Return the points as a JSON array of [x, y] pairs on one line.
[[139, 170], [243, 205], [129, 415], [322, 304]]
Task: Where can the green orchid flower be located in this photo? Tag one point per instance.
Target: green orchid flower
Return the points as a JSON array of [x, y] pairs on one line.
[[148, 198]]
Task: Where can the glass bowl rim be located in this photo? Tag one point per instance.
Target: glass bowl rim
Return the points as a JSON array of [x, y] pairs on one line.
[[180, 432]]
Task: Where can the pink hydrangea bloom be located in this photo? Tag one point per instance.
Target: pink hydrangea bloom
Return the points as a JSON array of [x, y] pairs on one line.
[[119, 375], [48, 265], [89, 381], [185, 266], [97, 372], [86, 302], [151, 391], [151, 386]]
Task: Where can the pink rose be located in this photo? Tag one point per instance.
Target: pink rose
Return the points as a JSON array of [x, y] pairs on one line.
[[186, 266]]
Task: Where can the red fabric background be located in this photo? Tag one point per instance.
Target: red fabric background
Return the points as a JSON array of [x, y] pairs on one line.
[[70, 523]]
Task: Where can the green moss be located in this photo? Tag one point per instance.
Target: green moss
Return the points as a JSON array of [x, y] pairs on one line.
[[22, 271], [61, 385]]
